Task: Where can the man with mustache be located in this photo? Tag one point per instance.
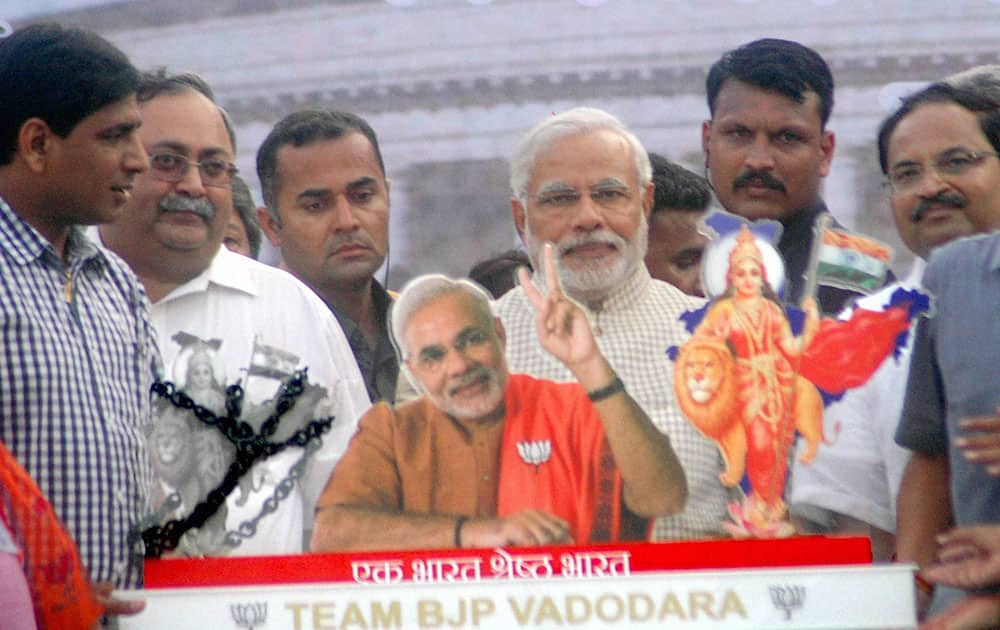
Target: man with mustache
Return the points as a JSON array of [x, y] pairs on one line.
[[852, 485], [582, 181], [491, 459], [939, 151], [767, 148], [248, 324], [327, 199]]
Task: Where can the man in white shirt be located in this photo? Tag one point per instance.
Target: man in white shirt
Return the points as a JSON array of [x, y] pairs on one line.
[[582, 181], [223, 319]]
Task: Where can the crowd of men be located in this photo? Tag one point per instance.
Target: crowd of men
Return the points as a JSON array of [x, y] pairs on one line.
[[336, 414]]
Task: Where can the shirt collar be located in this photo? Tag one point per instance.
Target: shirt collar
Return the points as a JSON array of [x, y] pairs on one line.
[[381, 300], [994, 259], [25, 244], [798, 228], [630, 292], [227, 269], [623, 296]]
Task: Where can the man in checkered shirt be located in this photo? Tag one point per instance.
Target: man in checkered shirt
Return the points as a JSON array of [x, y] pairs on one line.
[[582, 181], [77, 356]]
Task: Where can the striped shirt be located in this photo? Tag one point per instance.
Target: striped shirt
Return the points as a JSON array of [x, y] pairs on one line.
[[634, 328], [77, 357]]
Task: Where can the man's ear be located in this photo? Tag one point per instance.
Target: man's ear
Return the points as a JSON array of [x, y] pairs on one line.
[[35, 143], [269, 226], [648, 197], [706, 134], [826, 144], [520, 216]]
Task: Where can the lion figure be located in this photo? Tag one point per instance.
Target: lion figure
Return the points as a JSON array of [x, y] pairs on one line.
[[706, 390]]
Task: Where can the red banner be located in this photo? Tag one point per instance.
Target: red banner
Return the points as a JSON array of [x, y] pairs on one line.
[[570, 560]]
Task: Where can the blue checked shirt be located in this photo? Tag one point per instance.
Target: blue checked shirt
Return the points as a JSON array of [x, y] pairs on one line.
[[77, 357]]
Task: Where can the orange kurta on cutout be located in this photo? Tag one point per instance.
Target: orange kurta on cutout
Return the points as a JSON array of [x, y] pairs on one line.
[[555, 457]]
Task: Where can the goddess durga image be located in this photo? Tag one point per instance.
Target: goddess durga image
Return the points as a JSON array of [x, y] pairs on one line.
[[737, 381], [749, 380]]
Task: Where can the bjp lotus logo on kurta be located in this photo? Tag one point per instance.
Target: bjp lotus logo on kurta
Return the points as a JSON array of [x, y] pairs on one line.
[[535, 452], [756, 372]]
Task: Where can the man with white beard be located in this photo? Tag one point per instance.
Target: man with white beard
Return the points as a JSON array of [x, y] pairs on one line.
[[582, 181]]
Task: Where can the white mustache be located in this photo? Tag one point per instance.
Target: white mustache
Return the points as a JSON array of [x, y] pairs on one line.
[[175, 203], [604, 237]]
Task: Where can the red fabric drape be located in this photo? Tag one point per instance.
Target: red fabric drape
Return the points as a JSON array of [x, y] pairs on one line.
[[59, 586]]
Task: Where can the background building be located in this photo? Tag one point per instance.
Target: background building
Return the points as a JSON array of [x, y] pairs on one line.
[[450, 84]]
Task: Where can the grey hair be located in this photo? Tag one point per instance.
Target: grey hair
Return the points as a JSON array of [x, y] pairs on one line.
[[421, 290], [579, 120], [982, 80]]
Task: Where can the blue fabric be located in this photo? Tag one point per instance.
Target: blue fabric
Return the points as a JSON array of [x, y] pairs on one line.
[[954, 371], [77, 357]]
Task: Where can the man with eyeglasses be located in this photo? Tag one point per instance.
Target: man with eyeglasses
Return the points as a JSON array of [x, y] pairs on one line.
[[491, 459], [223, 319], [939, 153], [852, 485], [582, 181]]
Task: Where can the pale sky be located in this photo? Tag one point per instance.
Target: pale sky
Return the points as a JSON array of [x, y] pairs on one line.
[[18, 9]]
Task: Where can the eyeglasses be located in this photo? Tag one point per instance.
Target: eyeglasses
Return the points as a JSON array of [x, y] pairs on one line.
[[171, 167], [907, 177], [561, 201]]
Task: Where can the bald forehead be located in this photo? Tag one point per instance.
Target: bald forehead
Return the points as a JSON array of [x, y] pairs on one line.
[[187, 122]]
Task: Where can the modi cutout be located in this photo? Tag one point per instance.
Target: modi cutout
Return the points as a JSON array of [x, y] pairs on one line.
[[486, 458]]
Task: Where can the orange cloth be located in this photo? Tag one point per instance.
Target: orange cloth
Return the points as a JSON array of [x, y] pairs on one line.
[[59, 586], [578, 474], [416, 459], [766, 382]]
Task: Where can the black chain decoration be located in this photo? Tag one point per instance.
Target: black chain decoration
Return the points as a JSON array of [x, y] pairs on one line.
[[250, 447]]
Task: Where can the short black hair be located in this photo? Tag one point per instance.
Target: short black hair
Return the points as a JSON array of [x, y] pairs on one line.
[[246, 210], [496, 274], [300, 129], [987, 110], [778, 65], [60, 75], [677, 188]]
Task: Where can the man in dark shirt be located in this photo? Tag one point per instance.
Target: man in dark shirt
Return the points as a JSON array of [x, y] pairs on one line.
[[767, 147], [327, 197]]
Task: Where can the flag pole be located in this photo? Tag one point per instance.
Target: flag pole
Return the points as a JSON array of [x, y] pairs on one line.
[[823, 221]]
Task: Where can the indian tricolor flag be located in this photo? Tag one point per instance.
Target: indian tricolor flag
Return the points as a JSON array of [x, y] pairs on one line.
[[271, 362], [852, 262]]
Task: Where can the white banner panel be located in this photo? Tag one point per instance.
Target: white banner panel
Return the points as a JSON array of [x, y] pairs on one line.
[[815, 597]]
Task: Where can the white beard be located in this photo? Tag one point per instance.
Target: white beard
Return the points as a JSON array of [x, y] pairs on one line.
[[472, 409], [596, 280]]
